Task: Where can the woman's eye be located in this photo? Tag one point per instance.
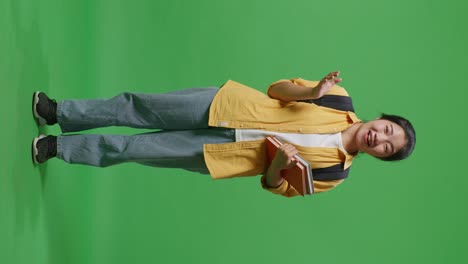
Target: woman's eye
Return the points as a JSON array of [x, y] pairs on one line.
[[386, 148], [386, 129]]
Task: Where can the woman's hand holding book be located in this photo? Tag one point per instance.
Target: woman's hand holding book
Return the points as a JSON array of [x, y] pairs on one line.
[[284, 159]]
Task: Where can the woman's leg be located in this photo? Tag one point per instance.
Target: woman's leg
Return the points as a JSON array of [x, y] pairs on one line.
[[166, 149], [185, 109]]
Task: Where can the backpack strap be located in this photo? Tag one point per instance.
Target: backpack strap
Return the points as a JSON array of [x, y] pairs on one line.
[[338, 102], [335, 172]]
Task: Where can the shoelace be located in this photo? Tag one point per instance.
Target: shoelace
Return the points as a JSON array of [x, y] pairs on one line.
[[52, 109], [52, 147]]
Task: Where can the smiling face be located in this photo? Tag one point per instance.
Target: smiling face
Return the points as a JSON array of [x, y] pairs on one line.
[[380, 138]]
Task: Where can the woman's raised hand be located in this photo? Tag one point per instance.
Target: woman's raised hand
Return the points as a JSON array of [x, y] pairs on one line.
[[326, 84]]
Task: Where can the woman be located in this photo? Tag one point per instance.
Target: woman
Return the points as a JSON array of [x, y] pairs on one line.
[[222, 132]]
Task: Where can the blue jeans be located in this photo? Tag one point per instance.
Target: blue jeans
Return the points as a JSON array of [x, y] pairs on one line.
[[182, 116]]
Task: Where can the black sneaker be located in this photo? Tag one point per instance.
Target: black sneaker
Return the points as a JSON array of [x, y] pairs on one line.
[[44, 109], [43, 148]]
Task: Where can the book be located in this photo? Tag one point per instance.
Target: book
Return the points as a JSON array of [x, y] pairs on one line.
[[300, 175]]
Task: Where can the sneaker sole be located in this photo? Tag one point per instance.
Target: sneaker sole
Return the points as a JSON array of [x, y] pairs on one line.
[[35, 151], [40, 120]]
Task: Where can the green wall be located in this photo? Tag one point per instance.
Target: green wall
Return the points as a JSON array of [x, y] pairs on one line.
[[400, 57]]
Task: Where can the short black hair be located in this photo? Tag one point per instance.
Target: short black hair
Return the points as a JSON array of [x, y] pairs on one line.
[[410, 135]]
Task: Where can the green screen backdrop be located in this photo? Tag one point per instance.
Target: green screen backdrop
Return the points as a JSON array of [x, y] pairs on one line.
[[399, 57]]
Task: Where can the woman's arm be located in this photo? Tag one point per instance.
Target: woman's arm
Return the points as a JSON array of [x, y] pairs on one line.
[[273, 177], [287, 91]]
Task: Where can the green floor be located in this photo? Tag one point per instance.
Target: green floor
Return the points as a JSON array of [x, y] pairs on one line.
[[402, 57]]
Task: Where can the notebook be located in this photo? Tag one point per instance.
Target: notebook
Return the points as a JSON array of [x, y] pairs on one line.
[[300, 175]]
